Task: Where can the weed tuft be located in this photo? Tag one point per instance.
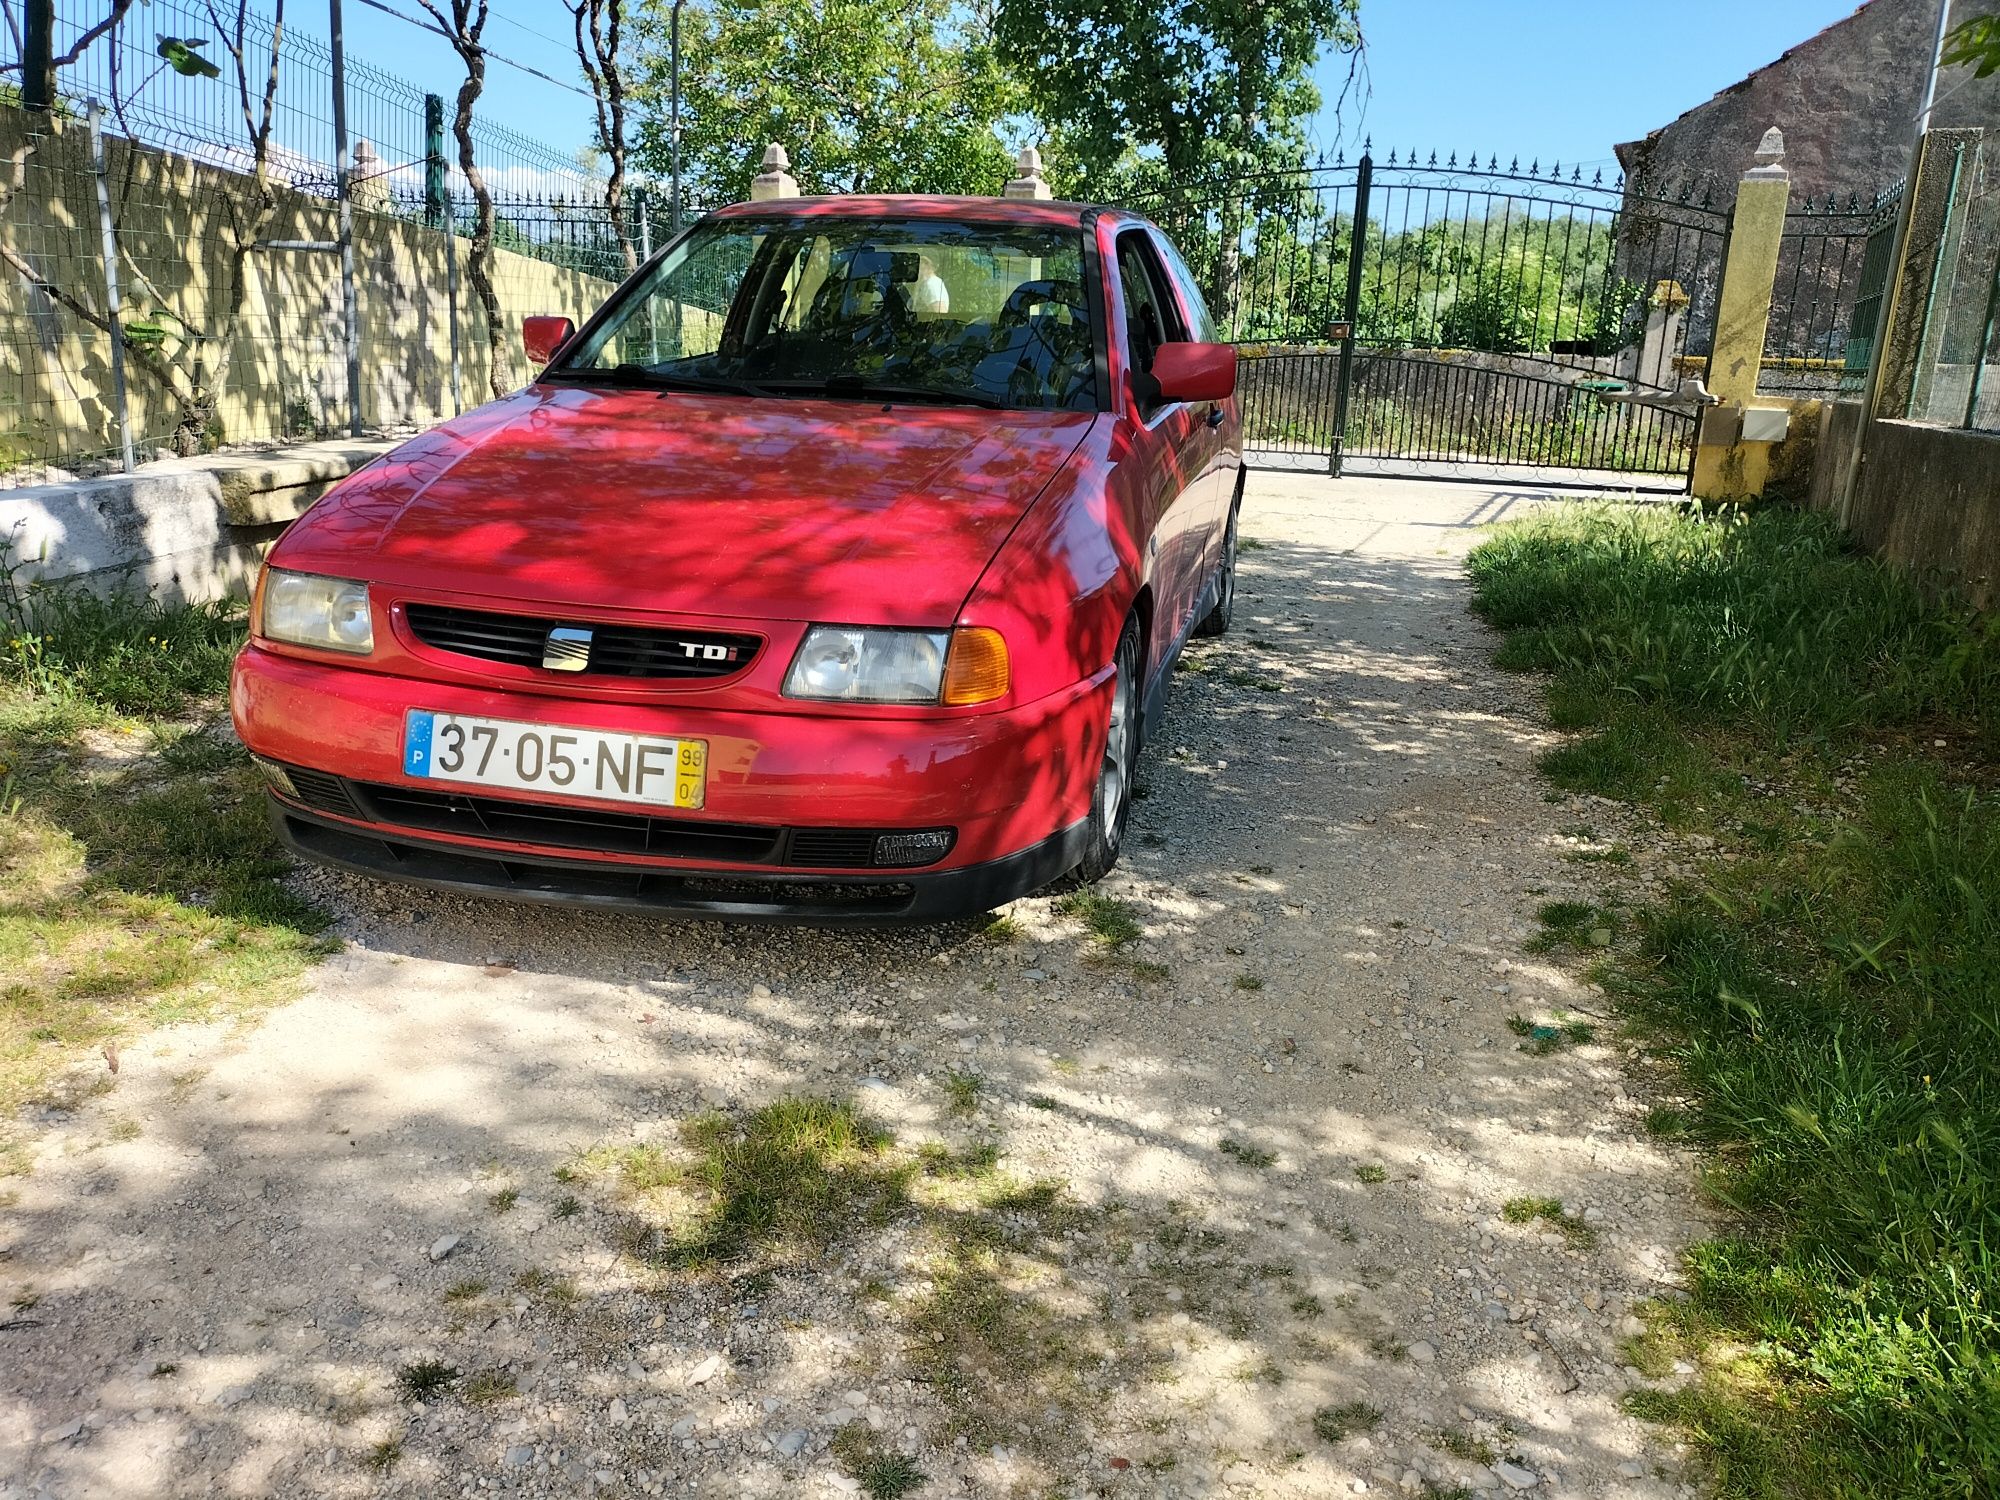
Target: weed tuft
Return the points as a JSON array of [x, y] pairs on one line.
[[425, 1380], [1336, 1424], [1250, 1156], [1108, 920]]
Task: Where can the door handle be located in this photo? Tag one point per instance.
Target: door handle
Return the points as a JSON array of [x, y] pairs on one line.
[[1215, 415]]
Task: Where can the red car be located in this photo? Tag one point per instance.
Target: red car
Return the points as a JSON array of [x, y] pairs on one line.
[[834, 571]]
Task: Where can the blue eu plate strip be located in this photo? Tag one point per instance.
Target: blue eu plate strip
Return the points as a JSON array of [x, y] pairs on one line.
[[417, 745]]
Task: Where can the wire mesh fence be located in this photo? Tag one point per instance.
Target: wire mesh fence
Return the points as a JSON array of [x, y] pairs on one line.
[[1958, 373], [177, 218]]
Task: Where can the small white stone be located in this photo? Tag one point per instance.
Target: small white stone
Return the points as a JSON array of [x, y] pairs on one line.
[[704, 1372], [1423, 1351], [1515, 1477], [790, 1444], [444, 1244]]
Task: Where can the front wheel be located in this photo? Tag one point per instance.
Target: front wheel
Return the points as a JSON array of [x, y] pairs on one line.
[[1111, 802]]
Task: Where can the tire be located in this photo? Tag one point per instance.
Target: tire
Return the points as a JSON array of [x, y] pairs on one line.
[[1216, 621], [1111, 800]]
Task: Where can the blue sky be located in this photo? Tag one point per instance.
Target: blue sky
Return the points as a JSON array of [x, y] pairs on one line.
[[1555, 79]]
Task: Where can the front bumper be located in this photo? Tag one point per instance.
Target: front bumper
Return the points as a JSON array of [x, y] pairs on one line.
[[822, 900], [1015, 785]]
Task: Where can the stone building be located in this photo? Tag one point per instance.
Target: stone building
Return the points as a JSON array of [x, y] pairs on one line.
[[1847, 100]]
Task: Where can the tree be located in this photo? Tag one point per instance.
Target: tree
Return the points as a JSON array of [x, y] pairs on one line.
[[1140, 91], [866, 95], [1974, 44], [1196, 94], [467, 25], [598, 48]]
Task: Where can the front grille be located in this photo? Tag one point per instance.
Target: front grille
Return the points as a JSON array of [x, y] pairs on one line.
[[555, 825], [615, 650]]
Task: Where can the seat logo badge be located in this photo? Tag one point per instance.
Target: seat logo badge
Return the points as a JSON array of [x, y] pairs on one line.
[[566, 650]]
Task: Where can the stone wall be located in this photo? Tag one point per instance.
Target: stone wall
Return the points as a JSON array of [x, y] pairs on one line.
[[287, 374], [1926, 498]]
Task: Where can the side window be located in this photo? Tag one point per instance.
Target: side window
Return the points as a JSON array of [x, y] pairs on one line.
[[1191, 298], [1152, 318]]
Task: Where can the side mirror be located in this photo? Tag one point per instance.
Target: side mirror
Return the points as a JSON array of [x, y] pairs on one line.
[[1195, 372], [545, 337]]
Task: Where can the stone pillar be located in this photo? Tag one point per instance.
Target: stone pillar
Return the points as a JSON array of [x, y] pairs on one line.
[[368, 182], [1730, 463], [775, 179], [1666, 315], [1027, 180]]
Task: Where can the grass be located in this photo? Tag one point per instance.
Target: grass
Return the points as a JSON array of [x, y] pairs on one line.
[[883, 1475], [1335, 1424], [1250, 1156], [961, 1093], [1549, 1211], [425, 1380], [1826, 991], [1108, 920], [1371, 1173], [1541, 1038], [139, 884]]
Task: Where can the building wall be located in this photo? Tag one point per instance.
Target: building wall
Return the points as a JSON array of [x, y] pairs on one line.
[[1846, 99], [288, 374]]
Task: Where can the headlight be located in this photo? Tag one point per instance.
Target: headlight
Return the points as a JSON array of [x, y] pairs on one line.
[[845, 663], [304, 609]]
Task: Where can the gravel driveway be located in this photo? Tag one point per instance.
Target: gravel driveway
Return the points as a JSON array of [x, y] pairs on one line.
[[1215, 1210]]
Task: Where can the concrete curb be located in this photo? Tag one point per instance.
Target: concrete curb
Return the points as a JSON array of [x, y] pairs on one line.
[[182, 529]]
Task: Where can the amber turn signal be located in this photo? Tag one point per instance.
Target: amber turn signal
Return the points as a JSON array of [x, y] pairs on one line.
[[976, 669]]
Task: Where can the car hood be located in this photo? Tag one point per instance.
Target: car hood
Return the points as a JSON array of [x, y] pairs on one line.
[[842, 511]]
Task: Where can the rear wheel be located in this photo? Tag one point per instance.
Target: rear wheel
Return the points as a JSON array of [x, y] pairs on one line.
[[1111, 801], [1216, 621]]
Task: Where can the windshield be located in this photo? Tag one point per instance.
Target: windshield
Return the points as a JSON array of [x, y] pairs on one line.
[[918, 310]]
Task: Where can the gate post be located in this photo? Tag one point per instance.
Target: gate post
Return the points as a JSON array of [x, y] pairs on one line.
[[1364, 175], [1728, 464]]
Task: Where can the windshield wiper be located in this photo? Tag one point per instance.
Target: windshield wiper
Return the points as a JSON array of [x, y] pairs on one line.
[[854, 386]]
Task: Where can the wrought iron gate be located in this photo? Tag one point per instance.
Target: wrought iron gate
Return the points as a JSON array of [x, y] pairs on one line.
[[1448, 313]]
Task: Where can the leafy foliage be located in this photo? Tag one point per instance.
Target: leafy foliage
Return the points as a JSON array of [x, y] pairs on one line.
[[865, 95], [1136, 92]]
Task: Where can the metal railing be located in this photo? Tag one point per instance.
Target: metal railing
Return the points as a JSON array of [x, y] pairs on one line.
[[1814, 295]]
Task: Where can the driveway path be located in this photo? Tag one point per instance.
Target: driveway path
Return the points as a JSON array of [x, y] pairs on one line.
[[1182, 1197]]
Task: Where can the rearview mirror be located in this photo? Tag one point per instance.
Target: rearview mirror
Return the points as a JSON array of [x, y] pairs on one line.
[[545, 337], [1195, 372]]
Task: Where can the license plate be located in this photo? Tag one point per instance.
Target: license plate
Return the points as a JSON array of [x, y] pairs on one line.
[[554, 758]]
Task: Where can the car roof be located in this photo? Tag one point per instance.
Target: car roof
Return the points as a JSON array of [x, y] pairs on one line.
[[1045, 211]]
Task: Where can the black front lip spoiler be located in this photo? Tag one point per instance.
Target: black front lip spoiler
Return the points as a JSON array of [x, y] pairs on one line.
[[892, 896]]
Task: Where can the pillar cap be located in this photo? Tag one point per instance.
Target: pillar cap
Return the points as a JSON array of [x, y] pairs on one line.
[[1027, 181], [774, 179], [1770, 159]]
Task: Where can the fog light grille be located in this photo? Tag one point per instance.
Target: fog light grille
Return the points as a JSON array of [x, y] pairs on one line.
[[926, 847]]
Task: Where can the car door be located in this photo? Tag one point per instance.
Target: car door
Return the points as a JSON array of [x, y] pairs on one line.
[[1165, 436], [1217, 438]]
